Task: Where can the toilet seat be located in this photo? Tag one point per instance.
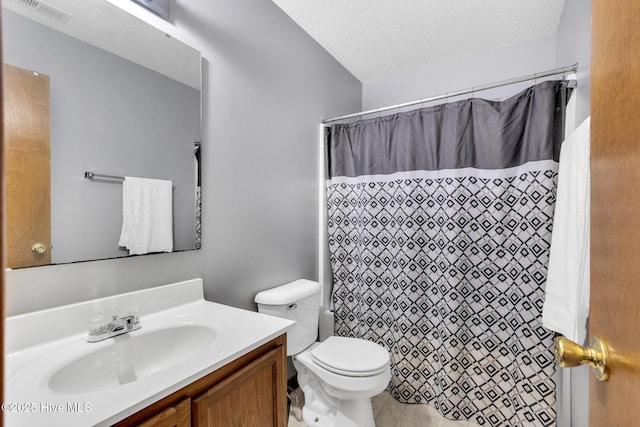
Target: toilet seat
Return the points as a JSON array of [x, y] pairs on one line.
[[352, 357]]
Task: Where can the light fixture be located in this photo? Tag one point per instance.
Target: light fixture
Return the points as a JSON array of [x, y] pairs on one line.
[[159, 7]]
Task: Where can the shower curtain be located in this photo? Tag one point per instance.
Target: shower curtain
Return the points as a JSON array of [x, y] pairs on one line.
[[197, 239], [439, 224]]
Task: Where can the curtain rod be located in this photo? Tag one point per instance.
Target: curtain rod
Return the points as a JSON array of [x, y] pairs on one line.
[[563, 70]]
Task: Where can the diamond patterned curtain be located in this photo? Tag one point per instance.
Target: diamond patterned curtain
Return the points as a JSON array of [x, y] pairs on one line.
[[444, 261]]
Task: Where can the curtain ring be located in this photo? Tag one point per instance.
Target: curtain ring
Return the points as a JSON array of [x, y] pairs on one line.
[[535, 78]]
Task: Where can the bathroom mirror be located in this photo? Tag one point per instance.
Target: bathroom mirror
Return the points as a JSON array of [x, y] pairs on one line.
[[124, 99]]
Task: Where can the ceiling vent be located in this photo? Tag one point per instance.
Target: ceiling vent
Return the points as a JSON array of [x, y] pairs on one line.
[[44, 8]]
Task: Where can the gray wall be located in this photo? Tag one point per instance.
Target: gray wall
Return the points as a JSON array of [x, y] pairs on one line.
[[266, 86], [574, 45], [110, 116], [464, 72]]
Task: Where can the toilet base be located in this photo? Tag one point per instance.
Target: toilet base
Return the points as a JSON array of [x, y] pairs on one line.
[[333, 400], [350, 413], [324, 410]]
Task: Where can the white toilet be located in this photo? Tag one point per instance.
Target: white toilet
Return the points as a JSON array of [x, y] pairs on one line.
[[339, 375]]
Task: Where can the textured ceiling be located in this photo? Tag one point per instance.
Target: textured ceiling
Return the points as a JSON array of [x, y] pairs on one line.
[[375, 38]]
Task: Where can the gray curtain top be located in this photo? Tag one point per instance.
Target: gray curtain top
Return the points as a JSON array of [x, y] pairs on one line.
[[475, 133]]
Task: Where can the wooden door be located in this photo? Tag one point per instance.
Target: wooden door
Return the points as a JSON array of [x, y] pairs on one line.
[[615, 208], [251, 397], [2, 241], [27, 167]]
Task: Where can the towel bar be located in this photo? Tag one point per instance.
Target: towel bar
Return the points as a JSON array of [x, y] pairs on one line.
[[91, 175]]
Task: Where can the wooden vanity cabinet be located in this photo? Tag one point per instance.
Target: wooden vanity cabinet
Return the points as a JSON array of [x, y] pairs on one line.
[[250, 391], [174, 416], [244, 398]]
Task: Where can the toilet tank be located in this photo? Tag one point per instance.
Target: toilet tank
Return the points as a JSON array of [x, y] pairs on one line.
[[298, 301]]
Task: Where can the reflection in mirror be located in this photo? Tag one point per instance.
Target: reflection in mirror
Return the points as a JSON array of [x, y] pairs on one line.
[[90, 88]]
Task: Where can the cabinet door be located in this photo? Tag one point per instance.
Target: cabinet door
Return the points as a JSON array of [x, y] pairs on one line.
[[175, 416], [253, 396]]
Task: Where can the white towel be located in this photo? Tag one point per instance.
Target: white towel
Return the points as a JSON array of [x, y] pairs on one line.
[[566, 305], [147, 215]]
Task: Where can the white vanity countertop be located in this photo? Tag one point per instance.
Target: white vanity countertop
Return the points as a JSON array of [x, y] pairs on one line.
[[30, 361]]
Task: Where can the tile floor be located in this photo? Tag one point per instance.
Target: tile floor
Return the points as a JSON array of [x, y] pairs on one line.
[[388, 412]]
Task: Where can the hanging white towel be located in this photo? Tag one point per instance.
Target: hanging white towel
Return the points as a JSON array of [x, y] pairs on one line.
[[566, 305], [147, 215]]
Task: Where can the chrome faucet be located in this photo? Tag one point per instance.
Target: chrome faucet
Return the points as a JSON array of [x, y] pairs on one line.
[[100, 328]]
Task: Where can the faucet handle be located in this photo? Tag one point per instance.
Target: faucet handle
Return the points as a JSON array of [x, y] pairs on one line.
[[133, 312], [97, 324]]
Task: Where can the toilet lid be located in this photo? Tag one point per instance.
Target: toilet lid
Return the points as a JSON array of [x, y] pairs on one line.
[[351, 356]]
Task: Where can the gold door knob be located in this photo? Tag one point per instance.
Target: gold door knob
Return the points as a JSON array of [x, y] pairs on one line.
[[569, 354], [38, 248]]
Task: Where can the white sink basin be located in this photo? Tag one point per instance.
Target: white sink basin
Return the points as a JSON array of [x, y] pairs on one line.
[[54, 377], [131, 357]]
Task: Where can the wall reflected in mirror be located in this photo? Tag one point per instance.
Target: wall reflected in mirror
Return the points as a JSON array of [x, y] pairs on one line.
[[122, 99]]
